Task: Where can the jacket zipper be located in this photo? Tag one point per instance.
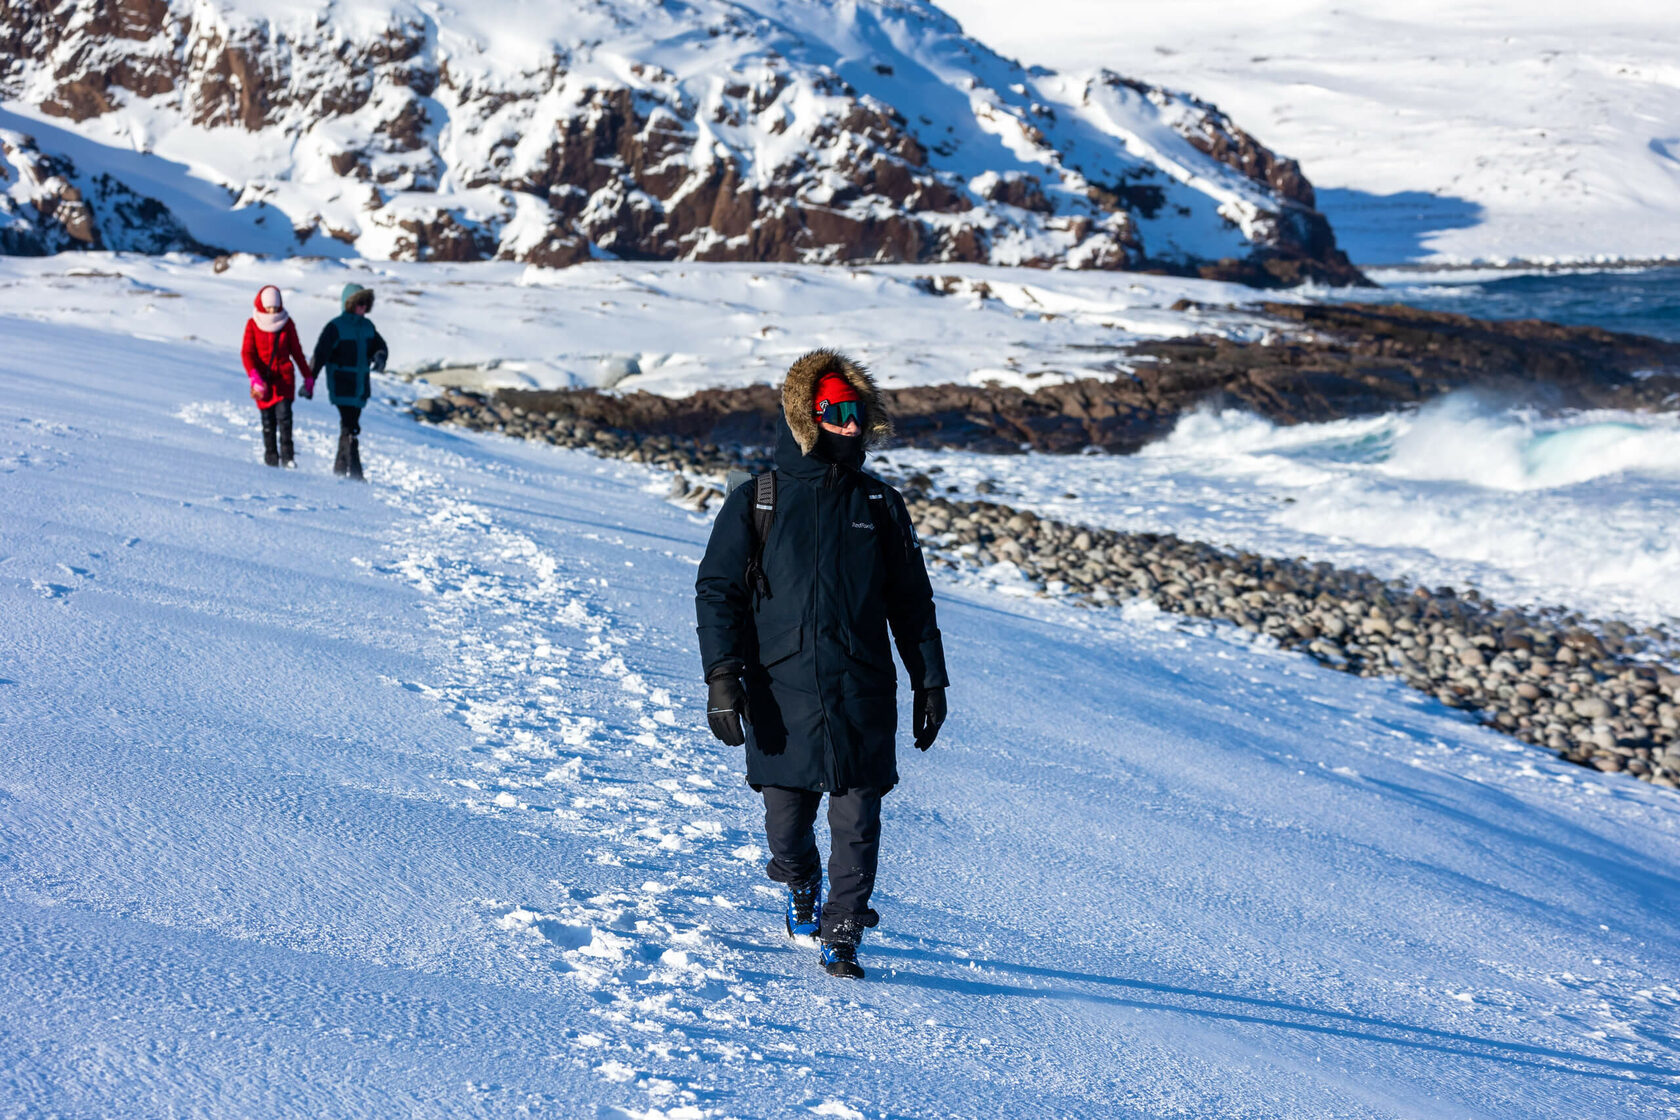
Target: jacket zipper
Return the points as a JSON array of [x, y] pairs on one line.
[[830, 759]]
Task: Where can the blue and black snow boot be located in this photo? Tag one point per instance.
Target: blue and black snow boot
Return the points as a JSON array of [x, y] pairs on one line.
[[839, 958], [804, 910]]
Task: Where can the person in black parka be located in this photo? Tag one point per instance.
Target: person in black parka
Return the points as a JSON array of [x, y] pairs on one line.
[[795, 645]]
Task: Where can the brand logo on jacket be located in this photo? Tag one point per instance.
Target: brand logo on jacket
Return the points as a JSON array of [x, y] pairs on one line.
[[863, 525]]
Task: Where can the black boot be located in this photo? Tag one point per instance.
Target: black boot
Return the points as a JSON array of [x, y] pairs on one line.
[[271, 454], [283, 430], [349, 461], [839, 958], [804, 909]]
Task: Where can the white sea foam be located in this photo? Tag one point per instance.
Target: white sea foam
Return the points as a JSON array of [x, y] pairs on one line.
[[1577, 510]]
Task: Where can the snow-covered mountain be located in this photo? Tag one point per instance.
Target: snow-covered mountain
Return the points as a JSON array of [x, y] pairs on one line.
[[1439, 131], [785, 130]]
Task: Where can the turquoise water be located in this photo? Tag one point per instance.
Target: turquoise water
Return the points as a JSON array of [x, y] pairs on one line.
[[1642, 301]]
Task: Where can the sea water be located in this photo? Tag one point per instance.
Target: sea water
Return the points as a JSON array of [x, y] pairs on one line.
[[1578, 510], [1639, 301]]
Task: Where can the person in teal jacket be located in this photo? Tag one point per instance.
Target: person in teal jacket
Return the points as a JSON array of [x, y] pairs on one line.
[[347, 351]]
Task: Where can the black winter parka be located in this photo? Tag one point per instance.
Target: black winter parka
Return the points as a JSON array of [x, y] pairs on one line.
[[821, 687]]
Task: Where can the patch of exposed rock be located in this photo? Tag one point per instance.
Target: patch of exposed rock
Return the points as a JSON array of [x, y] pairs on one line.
[[1326, 363], [47, 206]]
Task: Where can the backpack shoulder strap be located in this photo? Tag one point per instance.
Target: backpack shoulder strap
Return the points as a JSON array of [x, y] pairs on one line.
[[763, 513], [764, 505]]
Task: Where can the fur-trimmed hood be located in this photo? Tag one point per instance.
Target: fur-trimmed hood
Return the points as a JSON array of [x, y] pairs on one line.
[[350, 292], [799, 393]]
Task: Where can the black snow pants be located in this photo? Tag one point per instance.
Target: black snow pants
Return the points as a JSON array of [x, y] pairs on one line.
[[349, 459], [854, 821], [277, 433]]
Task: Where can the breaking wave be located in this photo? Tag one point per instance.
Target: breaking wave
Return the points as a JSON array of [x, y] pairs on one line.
[[1456, 439], [1580, 510]]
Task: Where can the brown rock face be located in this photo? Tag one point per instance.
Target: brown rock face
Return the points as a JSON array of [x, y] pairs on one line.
[[101, 60], [443, 237], [1020, 189], [1351, 360]]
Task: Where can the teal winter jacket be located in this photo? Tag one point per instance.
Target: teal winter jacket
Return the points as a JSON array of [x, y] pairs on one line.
[[349, 347]]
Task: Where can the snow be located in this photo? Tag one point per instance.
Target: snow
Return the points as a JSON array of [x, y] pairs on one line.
[[685, 326], [396, 799], [1434, 131]]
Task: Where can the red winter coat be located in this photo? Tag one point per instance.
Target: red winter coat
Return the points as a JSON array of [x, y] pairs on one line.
[[270, 357]]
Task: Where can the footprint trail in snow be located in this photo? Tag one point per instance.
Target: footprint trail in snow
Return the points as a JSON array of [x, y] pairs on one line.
[[570, 735]]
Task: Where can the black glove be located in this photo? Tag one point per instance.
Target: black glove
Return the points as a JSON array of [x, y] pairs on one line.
[[927, 716], [725, 704]]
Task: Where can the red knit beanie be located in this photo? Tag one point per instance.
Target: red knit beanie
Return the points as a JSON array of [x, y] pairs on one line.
[[832, 389]]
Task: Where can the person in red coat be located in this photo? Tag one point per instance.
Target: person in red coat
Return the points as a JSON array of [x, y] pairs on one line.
[[273, 356]]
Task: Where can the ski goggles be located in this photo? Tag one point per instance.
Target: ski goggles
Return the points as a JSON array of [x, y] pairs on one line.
[[840, 413]]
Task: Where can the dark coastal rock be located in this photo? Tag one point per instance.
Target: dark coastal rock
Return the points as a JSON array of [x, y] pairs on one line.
[[1338, 361]]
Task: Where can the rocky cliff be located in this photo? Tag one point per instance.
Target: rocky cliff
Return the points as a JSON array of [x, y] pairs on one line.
[[784, 130]]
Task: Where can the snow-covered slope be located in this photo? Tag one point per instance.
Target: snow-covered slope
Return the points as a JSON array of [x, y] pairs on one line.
[[323, 799], [1435, 131], [870, 130], [664, 328]]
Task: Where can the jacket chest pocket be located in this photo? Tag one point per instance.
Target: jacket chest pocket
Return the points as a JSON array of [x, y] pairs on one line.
[[348, 352]]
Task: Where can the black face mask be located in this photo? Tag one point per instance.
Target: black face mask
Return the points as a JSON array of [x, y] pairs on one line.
[[836, 448]]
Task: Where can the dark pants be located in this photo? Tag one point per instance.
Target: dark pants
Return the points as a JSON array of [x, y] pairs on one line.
[[349, 459], [854, 820], [277, 433]]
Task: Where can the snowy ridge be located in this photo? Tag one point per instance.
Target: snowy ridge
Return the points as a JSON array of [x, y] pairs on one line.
[[1436, 131], [397, 799], [871, 130]]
